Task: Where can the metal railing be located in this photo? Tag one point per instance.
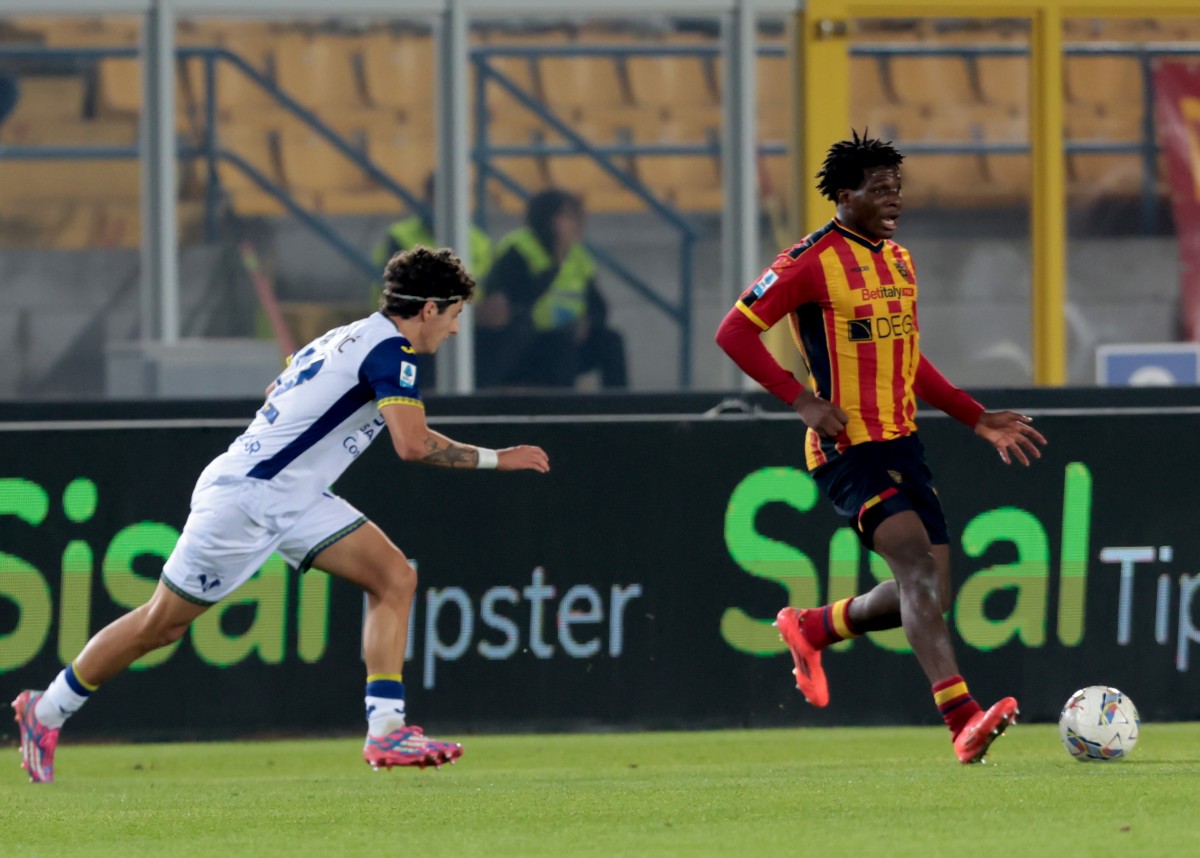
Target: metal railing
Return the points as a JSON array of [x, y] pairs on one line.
[[210, 149], [1146, 147]]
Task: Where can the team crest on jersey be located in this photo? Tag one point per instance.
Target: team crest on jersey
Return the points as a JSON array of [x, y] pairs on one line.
[[408, 374], [896, 476], [903, 269]]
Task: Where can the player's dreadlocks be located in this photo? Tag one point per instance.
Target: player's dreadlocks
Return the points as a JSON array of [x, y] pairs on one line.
[[415, 276], [848, 160]]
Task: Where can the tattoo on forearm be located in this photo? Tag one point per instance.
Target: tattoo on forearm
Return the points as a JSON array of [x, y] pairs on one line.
[[450, 456]]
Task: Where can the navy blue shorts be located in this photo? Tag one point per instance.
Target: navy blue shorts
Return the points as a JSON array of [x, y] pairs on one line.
[[870, 482]]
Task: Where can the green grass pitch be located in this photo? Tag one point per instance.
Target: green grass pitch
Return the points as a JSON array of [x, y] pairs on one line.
[[801, 792]]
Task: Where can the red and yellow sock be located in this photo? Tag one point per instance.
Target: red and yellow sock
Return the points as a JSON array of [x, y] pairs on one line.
[[828, 625], [955, 702]]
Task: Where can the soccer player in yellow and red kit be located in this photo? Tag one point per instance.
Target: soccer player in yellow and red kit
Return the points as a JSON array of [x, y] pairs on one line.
[[849, 294]]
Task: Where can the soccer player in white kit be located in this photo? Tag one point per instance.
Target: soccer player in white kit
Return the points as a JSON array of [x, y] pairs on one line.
[[269, 493]]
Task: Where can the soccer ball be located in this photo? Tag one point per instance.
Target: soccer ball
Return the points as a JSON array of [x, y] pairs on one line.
[[1098, 723]]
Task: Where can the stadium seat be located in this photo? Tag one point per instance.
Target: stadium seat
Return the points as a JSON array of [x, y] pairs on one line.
[[400, 74], [238, 95], [691, 182], [504, 110], [113, 31], [311, 163], [886, 121], [68, 180], [1112, 81], [775, 176], [80, 132], [943, 81], [406, 154], [48, 225], [48, 99], [1103, 122], [1091, 176], [320, 72], [776, 100], [259, 150], [676, 86], [583, 174], [1004, 81], [869, 81], [585, 87], [945, 180], [119, 90], [1008, 178]]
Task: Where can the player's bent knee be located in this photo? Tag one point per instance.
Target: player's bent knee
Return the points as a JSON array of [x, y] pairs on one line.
[[395, 579]]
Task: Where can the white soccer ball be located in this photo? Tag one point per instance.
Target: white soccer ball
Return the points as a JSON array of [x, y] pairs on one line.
[[1098, 723]]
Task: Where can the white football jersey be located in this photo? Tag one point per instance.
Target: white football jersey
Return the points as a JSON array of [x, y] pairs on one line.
[[322, 413]]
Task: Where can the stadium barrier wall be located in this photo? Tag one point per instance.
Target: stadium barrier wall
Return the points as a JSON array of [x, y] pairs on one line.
[[632, 587]]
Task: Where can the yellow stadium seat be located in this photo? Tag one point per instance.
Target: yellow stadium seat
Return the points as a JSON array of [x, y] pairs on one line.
[[400, 73], [582, 174], [675, 86], [74, 181], [776, 100], [869, 84], [1092, 176], [944, 81], [407, 155], [48, 99], [503, 107], [691, 182], [80, 132], [117, 31], [1004, 81], [47, 224], [1114, 81], [1008, 177], [322, 177], [585, 87], [946, 180], [529, 173], [600, 192], [119, 90], [319, 72], [1103, 122], [258, 149], [238, 95]]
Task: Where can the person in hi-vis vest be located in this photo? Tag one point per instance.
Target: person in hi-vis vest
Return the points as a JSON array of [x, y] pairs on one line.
[[417, 230], [542, 321]]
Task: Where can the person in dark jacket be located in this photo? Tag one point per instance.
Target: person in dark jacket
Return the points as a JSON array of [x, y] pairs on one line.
[[543, 322]]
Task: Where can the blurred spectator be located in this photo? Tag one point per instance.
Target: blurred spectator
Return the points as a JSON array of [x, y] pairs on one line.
[[542, 321]]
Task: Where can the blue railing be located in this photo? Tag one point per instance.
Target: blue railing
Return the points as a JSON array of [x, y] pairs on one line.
[[486, 74], [484, 152]]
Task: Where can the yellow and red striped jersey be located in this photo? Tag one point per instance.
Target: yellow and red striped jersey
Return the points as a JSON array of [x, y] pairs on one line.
[[852, 307]]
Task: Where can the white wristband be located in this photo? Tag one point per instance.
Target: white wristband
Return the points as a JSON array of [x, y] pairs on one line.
[[488, 459]]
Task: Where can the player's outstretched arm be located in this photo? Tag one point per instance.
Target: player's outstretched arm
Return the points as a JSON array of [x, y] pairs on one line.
[[1011, 435], [414, 441]]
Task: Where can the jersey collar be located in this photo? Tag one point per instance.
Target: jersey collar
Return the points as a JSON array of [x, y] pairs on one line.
[[873, 246]]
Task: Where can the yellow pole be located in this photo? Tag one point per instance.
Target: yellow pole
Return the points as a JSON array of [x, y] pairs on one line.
[[823, 37], [1048, 210]]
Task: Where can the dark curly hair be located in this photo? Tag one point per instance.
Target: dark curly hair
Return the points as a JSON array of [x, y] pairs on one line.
[[847, 162], [420, 274]]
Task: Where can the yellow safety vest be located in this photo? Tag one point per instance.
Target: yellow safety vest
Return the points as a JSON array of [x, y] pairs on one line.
[[565, 301], [410, 232]]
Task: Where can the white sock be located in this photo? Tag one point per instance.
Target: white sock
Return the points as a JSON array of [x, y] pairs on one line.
[[384, 715], [62, 699]]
